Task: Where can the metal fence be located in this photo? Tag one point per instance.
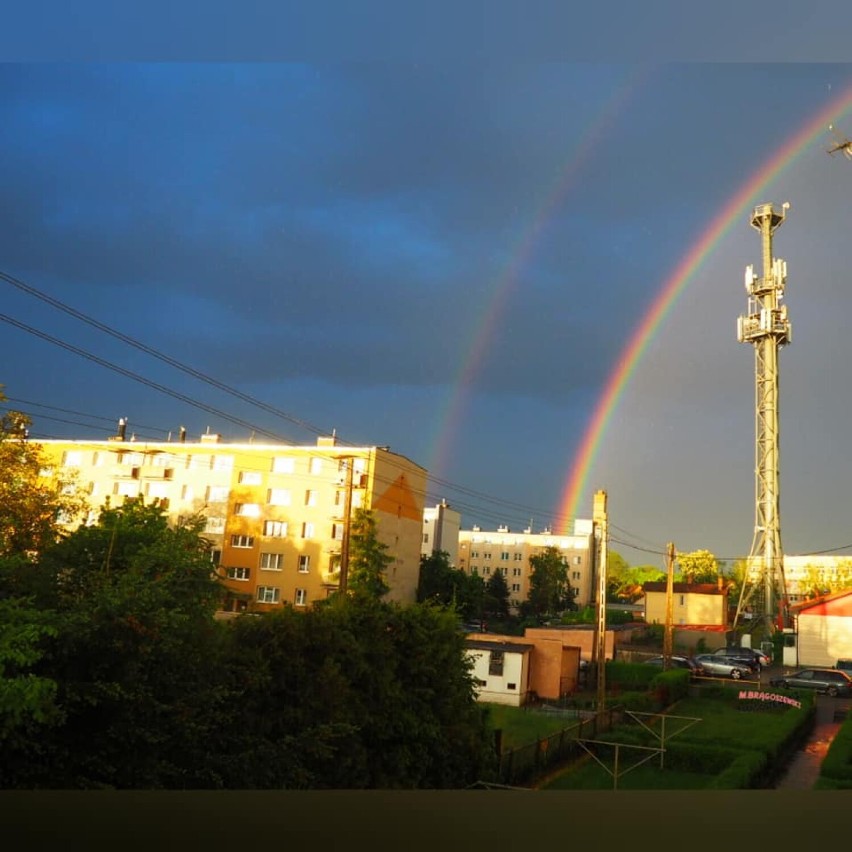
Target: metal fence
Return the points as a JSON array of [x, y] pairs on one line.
[[525, 764]]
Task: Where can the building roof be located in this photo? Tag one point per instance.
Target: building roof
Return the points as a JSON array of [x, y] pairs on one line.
[[686, 588], [487, 645], [839, 603]]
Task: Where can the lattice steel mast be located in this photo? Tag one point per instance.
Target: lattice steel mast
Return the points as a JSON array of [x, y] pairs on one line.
[[767, 328]]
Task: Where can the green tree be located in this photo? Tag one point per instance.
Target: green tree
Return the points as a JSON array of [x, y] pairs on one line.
[[496, 599], [435, 583], [135, 657], [550, 590], [358, 693], [440, 583], [368, 557], [616, 571], [699, 566], [31, 504]]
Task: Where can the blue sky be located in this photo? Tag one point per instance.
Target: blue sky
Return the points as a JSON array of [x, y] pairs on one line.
[[327, 237]]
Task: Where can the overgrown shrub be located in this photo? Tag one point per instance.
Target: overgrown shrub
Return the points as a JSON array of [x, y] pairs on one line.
[[743, 773], [838, 761]]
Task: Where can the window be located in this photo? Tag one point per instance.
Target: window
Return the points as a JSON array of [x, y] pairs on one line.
[[504, 571], [315, 466], [357, 499], [504, 556], [301, 597], [578, 560], [486, 571], [278, 496], [516, 572], [495, 663], [486, 555], [310, 497], [271, 561], [162, 460], [474, 554], [126, 489], [98, 459], [511, 686], [576, 575], [247, 510], [223, 462], [681, 600], [130, 459], [275, 529], [425, 538], [474, 571], [242, 541], [217, 494], [216, 556], [94, 488], [283, 464], [250, 477], [186, 492], [199, 462], [71, 458], [268, 594], [337, 531], [238, 573], [304, 563], [516, 587], [307, 530], [518, 557], [157, 489]]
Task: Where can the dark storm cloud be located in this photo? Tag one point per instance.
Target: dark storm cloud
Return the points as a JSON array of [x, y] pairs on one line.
[[351, 212]]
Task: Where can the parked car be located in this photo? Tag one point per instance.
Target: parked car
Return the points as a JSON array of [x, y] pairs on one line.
[[830, 681], [844, 666], [676, 661], [755, 658], [716, 665]]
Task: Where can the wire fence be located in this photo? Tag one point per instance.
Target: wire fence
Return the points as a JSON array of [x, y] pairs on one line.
[[524, 765]]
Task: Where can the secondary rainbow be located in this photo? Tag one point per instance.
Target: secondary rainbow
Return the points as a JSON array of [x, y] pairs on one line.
[[519, 254], [632, 353]]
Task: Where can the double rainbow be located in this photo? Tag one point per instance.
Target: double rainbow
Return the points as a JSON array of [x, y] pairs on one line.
[[575, 486]]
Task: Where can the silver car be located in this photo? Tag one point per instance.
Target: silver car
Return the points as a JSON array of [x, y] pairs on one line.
[[715, 665]]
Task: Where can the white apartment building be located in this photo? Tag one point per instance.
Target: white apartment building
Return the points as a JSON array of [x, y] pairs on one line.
[[483, 552], [441, 525]]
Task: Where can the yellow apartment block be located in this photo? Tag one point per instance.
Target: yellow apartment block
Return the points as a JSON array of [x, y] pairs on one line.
[[484, 553], [274, 513]]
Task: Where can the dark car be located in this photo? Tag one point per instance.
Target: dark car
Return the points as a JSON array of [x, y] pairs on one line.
[[830, 681], [676, 662], [755, 659], [715, 665]]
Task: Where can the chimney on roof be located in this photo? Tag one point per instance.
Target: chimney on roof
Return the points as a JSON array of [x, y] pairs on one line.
[[182, 437], [122, 428]]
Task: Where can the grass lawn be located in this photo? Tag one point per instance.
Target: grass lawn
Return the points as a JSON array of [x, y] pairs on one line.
[[724, 723], [521, 726], [649, 776]]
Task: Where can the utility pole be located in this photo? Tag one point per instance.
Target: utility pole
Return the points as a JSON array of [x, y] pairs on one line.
[[767, 328], [667, 636], [599, 524], [347, 512]]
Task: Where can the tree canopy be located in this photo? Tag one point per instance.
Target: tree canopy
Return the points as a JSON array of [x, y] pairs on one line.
[[368, 557], [549, 588]]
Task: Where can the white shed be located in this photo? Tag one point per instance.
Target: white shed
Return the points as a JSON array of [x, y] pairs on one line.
[[501, 670], [824, 626]]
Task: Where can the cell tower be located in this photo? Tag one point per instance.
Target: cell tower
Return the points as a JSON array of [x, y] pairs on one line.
[[767, 328]]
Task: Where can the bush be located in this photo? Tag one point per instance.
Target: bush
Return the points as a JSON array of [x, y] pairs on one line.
[[838, 761], [743, 773]]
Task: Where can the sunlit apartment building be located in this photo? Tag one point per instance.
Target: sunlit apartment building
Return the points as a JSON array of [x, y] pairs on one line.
[[274, 513], [483, 552]]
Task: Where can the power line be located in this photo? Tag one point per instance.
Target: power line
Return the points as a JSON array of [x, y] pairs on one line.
[[156, 353]]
